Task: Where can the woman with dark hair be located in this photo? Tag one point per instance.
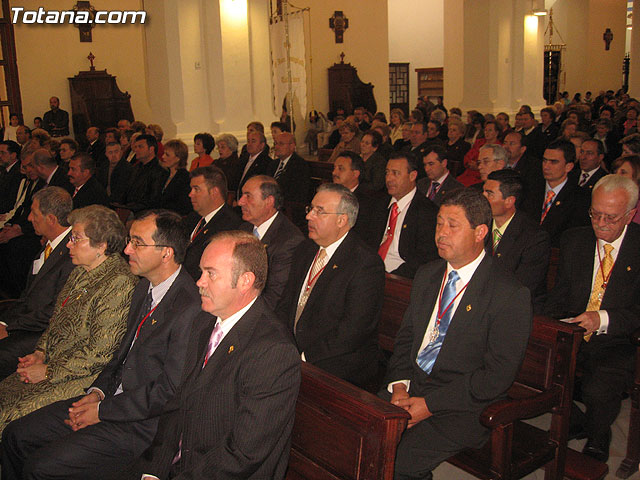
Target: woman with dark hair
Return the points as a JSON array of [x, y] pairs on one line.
[[175, 192], [88, 322], [203, 144], [629, 166], [374, 163], [475, 125]]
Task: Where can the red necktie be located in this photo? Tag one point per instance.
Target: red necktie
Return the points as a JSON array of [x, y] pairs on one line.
[[393, 219], [547, 205], [198, 228]]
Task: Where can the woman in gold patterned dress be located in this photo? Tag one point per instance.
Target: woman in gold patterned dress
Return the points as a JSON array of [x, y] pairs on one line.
[[88, 322]]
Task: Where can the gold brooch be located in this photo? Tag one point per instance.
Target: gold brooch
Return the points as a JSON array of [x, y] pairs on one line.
[[230, 349], [469, 308], [153, 321]]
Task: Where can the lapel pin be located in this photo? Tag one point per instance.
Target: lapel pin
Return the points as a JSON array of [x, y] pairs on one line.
[[628, 268], [404, 226], [469, 308], [230, 349], [153, 321], [498, 255], [335, 266], [557, 203]]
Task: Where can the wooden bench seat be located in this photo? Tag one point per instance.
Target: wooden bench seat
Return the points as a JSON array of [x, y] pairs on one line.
[[342, 432]]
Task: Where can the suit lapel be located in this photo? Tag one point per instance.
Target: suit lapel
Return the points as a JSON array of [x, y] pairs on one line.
[[55, 257], [626, 267], [510, 234]]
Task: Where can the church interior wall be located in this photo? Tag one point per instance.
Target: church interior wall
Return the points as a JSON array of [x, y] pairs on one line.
[[49, 54], [416, 38]]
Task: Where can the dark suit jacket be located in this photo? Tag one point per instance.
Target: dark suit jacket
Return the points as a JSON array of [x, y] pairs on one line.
[[35, 306], [225, 219], [175, 196], [97, 152], [367, 205], [235, 415], [295, 180], [21, 215], [261, 166], [60, 179], [536, 142], [231, 168], [524, 251], [154, 364], [569, 209], [417, 238], [337, 330], [621, 299], [119, 181], [9, 185], [449, 184], [91, 193], [281, 241], [588, 187], [145, 186], [480, 355]]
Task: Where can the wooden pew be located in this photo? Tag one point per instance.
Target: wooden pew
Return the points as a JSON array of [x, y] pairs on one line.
[[544, 384], [397, 291], [342, 432], [629, 465]]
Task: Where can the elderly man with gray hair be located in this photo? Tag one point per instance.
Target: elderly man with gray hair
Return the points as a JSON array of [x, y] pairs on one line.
[[334, 294], [598, 288]]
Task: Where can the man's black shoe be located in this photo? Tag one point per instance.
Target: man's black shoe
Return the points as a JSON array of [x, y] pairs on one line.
[[598, 447]]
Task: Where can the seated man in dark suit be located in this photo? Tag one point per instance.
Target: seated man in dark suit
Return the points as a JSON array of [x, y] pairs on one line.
[[520, 160], [517, 243], [405, 220], [260, 202], [348, 168], [591, 160], [461, 341], [96, 149], [147, 176], [533, 138], [419, 140], [293, 175], [333, 298], [211, 214], [87, 190], [18, 242], [599, 284], [233, 414], [555, 201], [439, 180], [103, 431], [254, 160], [22, 324], [119, 173], [49, 171], [490, 159], [10, 174]]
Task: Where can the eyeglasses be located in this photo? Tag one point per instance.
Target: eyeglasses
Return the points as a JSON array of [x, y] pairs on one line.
[[317, 211], [608, 219], [135, 243], [75, 239]]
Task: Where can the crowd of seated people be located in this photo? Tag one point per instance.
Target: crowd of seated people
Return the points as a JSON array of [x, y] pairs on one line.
[[468, 209]]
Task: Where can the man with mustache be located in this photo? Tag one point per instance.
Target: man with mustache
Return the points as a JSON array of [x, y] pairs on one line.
[[461, 341]]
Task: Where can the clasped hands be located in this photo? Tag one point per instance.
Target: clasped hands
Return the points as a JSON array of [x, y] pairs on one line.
[[416, 406], [31, 368], [84, 412]]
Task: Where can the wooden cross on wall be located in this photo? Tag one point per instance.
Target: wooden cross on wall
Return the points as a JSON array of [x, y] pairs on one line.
[[339, 23]]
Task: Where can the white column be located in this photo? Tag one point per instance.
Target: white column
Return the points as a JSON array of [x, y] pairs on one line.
[[634, 74], [493, 55]]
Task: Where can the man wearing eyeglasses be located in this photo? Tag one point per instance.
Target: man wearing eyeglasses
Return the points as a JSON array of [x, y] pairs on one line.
[[599, 285], [334, 293], [116, 420]]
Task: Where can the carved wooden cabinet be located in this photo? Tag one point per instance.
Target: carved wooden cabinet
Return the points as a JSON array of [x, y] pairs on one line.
[[347, 91], [96, 101]]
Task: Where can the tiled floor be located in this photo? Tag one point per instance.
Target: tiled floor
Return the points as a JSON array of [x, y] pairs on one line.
[[617, 452]]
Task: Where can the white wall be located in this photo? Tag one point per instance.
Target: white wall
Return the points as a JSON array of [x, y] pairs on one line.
[[416, 35]]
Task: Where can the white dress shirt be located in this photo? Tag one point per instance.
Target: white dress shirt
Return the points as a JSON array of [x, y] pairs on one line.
[[393, 259]]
